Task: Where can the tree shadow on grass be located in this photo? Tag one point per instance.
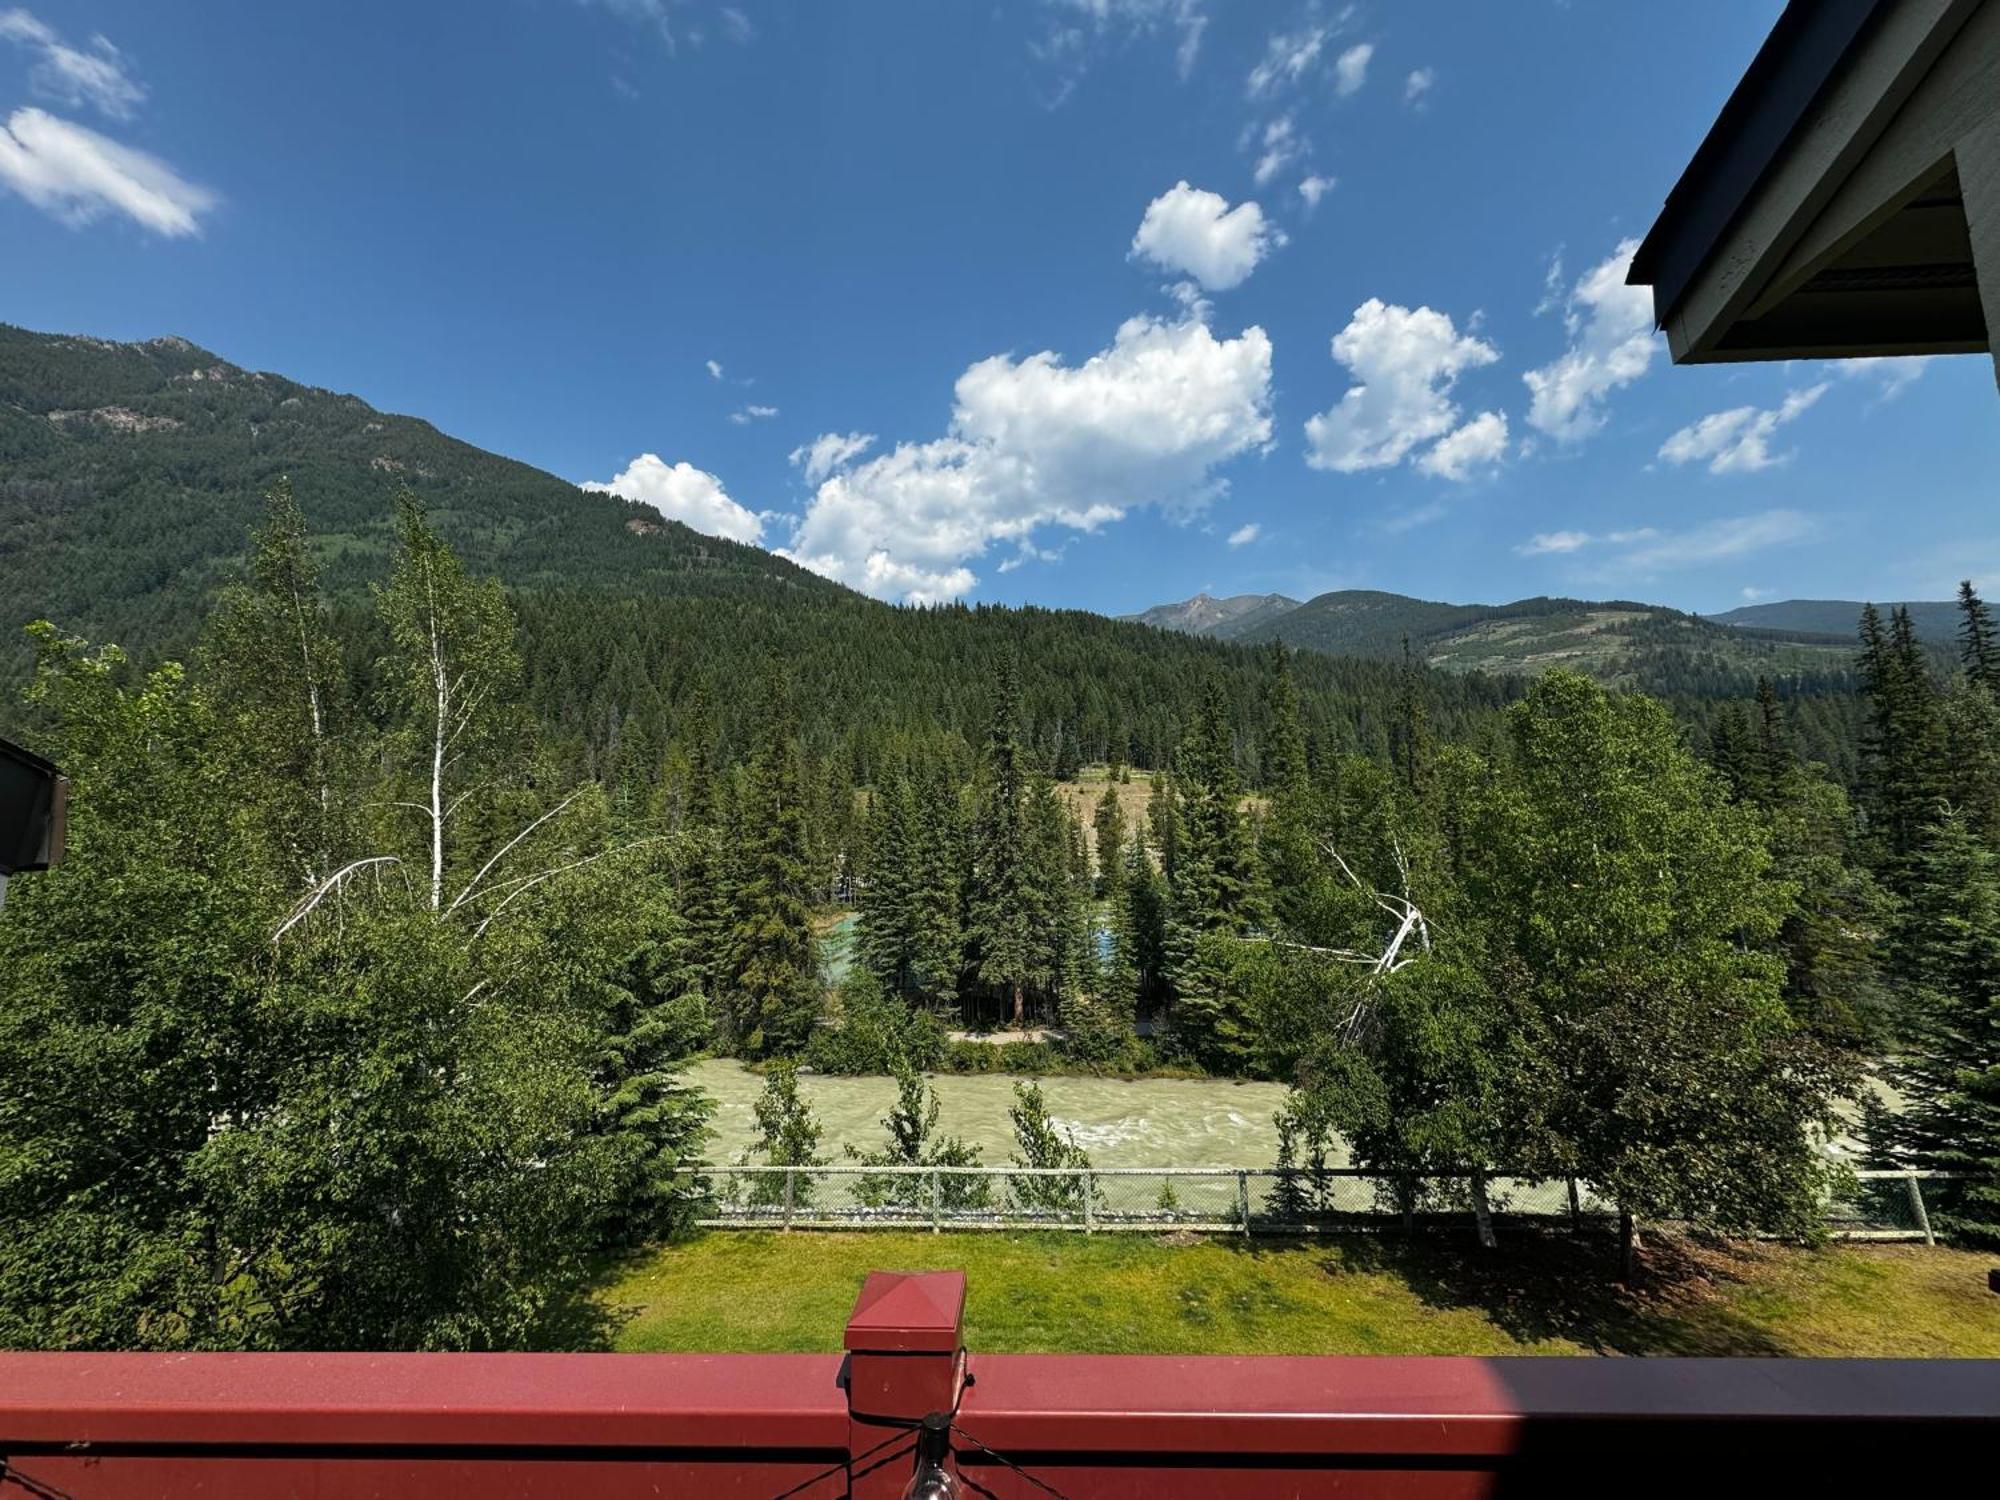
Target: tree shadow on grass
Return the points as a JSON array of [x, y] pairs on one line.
[[1541, 1285]]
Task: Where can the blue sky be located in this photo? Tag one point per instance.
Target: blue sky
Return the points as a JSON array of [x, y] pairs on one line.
[[1130, 298]]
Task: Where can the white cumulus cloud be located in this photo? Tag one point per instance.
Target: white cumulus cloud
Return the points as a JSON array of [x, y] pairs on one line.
[[1479, 444], [1611, 344], [714, 369], [1738, 441], [1350, 72], [1244, 535], [1420, 82], [73, 75], [78, 175], [1035, 442], [830, 452], [1196, 233], [1403, 365], [683, 493]]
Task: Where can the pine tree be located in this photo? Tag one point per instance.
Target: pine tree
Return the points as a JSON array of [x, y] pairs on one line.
[[1902, 764], [1287, 840], [1978, 646], [1163, 821], [1108, 832], [937, 894], [1411, 746], [1772, 764], [774, 964], [1947, 948], [1214, 890], [1001, 904], [885, 934]]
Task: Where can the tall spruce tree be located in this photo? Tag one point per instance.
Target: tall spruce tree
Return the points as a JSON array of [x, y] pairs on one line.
[[1000, 920], [775, 984], [1978, 645], [1947, 949], [937, 888], [1214, 891]]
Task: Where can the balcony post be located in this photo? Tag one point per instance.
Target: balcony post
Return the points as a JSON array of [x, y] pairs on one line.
[[905, 1360]]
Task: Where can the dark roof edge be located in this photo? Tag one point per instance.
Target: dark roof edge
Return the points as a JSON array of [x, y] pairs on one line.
[[1797, 59], [11, 751]]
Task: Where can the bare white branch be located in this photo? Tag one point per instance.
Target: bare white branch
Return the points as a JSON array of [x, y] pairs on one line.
[[506, 849], [331, 883]]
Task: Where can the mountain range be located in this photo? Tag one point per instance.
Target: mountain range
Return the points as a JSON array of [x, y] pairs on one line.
[[1620, 641], [131, 472]]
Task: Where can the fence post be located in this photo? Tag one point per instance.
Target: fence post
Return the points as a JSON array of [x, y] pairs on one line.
[[937, 1203], [1083, 1178], [790, 1174], [1575, 1208], [1407, 1191], [1917, 1207], [1243, 1200]]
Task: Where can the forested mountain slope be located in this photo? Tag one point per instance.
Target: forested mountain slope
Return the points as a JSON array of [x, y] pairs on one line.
[[130, 474], [1936, 621]]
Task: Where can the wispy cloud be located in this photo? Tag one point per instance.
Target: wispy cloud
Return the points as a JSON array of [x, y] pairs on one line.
[[1891, 376], [1288, 57], [75, 76], [1738, 441], [77, 176], [1649, 549], [677, 21], [1281, 145], [1350, 72], [1417, 87], [1244, 535], [1314, 187], [748, 414], [1078, 28]]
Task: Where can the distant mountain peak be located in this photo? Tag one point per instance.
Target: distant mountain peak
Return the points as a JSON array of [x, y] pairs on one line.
[[1205, 614]]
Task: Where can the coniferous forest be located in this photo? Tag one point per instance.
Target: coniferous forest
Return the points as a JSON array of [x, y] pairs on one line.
[[356, 1013]]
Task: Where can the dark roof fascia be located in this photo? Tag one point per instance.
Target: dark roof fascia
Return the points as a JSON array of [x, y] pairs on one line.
[[1796, 62]]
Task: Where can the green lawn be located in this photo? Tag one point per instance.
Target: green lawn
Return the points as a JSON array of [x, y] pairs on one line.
[[1131, 1294]]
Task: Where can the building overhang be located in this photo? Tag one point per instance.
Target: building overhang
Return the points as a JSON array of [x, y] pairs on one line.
[[1846, 201]]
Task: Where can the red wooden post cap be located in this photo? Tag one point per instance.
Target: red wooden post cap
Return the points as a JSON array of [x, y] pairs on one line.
[[908, 1313]]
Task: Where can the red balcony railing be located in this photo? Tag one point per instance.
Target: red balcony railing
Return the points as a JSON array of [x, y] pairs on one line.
[[534, 1425]]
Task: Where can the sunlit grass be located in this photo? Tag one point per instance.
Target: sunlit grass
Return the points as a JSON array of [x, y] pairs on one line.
[[1119, 1294]]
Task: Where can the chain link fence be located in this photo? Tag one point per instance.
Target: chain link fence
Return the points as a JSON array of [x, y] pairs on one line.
[[1215, 1200]]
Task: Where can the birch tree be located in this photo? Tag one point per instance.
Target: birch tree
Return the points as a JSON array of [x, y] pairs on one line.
[[451, 681]]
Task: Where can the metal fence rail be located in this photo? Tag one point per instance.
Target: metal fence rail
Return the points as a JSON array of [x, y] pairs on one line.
[[1216, 1200]]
